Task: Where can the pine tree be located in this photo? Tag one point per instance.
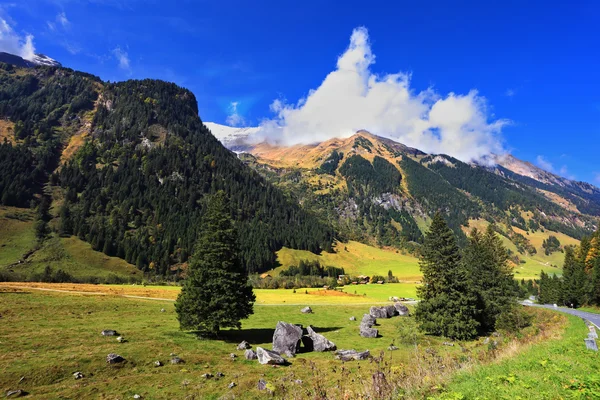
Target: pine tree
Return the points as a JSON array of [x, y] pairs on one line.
[[595, 284], [448, 306], [216, 293], [575, 280]]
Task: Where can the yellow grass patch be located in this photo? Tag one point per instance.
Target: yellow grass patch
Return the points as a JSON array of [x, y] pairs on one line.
[[7, 131]]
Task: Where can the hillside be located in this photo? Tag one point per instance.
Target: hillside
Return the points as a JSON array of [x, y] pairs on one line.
[[376, 191], [125, 167]]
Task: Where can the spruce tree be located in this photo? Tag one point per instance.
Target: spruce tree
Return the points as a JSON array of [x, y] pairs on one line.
[[216, 293], [448, 306], [575, 280]]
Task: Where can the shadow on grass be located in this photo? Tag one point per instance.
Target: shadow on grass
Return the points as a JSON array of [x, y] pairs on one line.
[[258, 335]]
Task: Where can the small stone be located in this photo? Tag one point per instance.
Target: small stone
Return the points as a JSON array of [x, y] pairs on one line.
[[207, 375], [121, 339], [219, 374], [158, 364], [231, 385], [162, 310], [392, 348], [244, 345], [108, 332], [349, 355], [262, 385], [15, 393], [306, 310], [177, 360], [250, 355], [448, 344], [298, 381], [77, 375], [137, 396], [113, 358], [353, 318], [172, 354], [232, 356]]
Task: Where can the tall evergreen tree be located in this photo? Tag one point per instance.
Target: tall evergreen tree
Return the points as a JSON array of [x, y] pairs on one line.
[[486, 259], [575, 280], [448, 305], [216, 293]]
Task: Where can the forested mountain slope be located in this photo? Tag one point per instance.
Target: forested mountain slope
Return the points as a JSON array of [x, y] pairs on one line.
[[125, 166]]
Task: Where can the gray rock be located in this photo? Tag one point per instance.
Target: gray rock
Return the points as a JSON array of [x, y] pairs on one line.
[[368, 320], [269, 357], [378, 312], [158, 364], [392, 348], [401, 309], [137, 396], [15, 393], [219, 374], [172, 354], [590, 344], [109, 332], [244, 345], [77, 375], [162, 310], [262, 385], [368, 332], [306, 310], [592, 334], [113, 358], [232, 356], [350, 355], [207, 375], [286, 339], [316, 342], [448, 344], [298, 381], [250, 355], [177, 360], [121, 339], [353, 318], [231, 385], [391, 311]]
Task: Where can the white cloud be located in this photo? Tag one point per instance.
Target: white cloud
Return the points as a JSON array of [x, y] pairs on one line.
[[234, 118], [543, 163], [564, 171], [13, 43], [352, 97], [61, 18], [122, 57], [510, 92]]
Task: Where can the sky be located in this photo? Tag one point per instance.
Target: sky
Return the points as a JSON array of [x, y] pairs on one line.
[[464, 78]]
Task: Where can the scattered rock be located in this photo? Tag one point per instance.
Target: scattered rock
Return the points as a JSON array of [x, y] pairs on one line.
[[113, 358], [349, 355], [77, 375], [207, 375], [219, 374], [448, 344], [401, 309], [231, 385], [591, 344], [367, 332], [391, 311], [392, 348], [286, 339], [317, 342], [262, 385], [250, 355], [378, 312], [244, 345], [177, 360], [368, 320], [496, 334], [158, 364], [486, 340], [232, 356], [269, 357], [137, 396], [298, 381], [306, 310], [121, 339], [109, 332], [172, 354], [15, 393], [353, 318], [162, 310], [393, 298]]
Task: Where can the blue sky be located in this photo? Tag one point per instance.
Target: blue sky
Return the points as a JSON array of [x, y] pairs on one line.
[[535, 65]]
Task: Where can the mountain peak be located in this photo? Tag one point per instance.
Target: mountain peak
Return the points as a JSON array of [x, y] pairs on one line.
[[37, 60]]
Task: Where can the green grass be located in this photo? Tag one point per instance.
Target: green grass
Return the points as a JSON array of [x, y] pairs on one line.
[[357, 259], [556, 369], [595, 310], [16, 234]]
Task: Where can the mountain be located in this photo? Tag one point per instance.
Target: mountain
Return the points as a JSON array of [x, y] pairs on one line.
[[377, 191], [126, 167], [38, 59], [235, 139]]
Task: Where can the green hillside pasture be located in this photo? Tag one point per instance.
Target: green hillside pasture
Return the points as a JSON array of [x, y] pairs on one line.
[[16, 234]]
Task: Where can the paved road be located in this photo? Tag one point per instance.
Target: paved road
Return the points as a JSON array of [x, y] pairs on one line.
[[593, 318]]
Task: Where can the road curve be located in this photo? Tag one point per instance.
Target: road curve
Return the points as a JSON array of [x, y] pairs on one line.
[[593, 318]]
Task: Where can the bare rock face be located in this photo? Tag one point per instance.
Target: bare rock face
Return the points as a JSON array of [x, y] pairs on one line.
[[269, 357], [378, 312], [401, 309], [350, 355], [250, 355], [317, 342], [286, 339]]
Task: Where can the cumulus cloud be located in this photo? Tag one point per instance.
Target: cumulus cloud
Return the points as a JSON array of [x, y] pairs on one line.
[[122, 57], [235, 118], [352, 97], [12, 42], [543, 163]]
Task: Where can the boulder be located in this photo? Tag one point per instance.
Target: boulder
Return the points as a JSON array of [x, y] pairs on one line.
[[590, 344], [269, 357], [368, 332], [244, 345], [391, 311], [109, 332], [378, 312], [306, 310], [368, 320], [177, 360], [250, 355], [401, 309], [286, 339], [113, 358], [317, 342], [350, 355]]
